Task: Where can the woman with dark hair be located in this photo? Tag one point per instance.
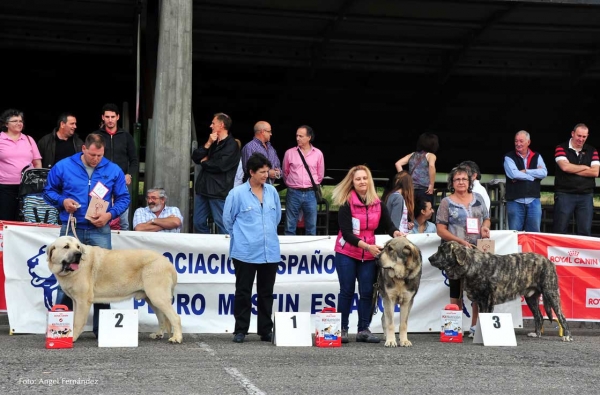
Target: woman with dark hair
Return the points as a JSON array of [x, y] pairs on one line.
[[360, 213], [462, 217], [400, 201], [251, 214], [423, 212], [421, 165], [17, 151]]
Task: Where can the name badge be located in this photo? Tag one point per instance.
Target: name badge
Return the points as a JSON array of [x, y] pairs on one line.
[[472, 225], [100, 190], [355, 226]]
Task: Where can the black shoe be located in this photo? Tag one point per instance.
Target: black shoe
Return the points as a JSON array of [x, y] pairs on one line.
[[344, 336], [267, 338], [239, 338], [367, 337]]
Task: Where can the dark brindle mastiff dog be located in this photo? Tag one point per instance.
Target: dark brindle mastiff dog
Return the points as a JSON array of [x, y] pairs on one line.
[[398, 282], [491, 279]]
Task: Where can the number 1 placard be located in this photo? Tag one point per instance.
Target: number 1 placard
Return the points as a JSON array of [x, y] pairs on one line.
[[118, 328], [292, 329]]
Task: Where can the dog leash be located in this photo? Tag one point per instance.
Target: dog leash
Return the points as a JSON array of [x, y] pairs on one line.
[[71, 222], [374, 307]]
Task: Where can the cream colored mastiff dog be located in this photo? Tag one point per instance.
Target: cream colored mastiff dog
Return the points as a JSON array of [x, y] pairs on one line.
[[90, 274]]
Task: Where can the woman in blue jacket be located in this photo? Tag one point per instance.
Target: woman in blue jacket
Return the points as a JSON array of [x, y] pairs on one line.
[[251, 214]]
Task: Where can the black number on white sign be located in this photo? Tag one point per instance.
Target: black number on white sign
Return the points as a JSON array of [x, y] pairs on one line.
[[119, 317], [496, 322]]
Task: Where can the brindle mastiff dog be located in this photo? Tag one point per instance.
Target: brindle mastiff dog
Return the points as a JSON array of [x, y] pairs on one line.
[[90, 274], [491, 279], [397, 283]]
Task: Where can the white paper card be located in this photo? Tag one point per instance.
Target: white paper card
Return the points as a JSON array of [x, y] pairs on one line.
[[495, 329], [118, 328], [472, 225], [100, 190], [292, 330]]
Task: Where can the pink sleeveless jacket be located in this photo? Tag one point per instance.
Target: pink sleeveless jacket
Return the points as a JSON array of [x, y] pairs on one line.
[[368, 217]]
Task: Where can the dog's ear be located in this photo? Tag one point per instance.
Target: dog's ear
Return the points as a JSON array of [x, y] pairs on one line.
[[460, 253], [49, 251]]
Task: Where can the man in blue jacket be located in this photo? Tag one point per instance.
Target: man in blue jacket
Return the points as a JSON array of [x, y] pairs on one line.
[[71, 184]]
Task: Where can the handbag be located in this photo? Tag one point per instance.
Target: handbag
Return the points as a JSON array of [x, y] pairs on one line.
[[317, 188]]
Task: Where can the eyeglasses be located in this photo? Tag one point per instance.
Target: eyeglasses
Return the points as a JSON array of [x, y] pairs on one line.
[[152, 198], [460, 180], [268, 131], [16, 121]]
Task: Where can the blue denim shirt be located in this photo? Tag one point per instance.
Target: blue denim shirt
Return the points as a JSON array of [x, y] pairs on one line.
[[252, 226]]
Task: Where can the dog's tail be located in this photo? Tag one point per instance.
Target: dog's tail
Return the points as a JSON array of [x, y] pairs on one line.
[[174, 284], [548, 309]]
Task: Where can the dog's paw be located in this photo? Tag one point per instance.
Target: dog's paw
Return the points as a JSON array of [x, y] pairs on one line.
[[176, 339], [157, 335], [567, 338], [391, 343], [405, 343], [533, 334]]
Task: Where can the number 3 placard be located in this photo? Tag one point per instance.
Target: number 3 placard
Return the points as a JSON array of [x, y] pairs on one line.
[[292, 329], [495, 330], [118, 328]]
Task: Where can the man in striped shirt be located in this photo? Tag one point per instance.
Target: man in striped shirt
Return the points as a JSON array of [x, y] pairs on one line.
[[577, 166], [261, 143]]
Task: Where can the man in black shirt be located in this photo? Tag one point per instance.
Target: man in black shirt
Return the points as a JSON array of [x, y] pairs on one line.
[[577, 166], [62, 142]]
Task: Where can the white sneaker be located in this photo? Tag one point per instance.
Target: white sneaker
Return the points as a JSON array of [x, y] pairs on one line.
[[472, 332]]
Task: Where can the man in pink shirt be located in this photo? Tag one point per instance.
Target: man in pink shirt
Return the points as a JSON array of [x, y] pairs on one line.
[[300, 193]]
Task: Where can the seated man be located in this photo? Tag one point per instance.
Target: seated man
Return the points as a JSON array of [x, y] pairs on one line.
[[157, 216]]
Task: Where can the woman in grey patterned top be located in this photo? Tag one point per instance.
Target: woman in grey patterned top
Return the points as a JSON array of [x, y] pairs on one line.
[[462, 217]]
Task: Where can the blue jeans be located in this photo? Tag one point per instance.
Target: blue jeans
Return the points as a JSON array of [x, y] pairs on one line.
[[296, 201], [349, 270], [421, 193], [99, 237], [565, 204], [521, 216], [203, 207], [124, 220]]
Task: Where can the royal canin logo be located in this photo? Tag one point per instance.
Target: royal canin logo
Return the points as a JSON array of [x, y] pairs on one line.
[[561, 256], [592, 298]]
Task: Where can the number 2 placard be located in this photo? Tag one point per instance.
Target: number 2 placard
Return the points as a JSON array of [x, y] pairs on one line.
[[118, 328]]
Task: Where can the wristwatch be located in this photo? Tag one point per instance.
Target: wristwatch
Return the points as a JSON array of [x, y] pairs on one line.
[[152, 220]]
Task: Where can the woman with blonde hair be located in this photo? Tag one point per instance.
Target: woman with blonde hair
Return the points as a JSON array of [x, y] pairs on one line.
[[400, 201], [360, 213]]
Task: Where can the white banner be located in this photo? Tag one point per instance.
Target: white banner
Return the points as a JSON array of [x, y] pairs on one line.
[[306, 279]]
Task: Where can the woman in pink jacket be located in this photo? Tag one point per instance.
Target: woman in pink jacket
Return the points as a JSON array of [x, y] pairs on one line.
[[360, 213]]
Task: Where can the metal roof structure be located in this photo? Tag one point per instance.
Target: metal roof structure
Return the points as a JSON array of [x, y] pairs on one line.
[[490, 63]]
